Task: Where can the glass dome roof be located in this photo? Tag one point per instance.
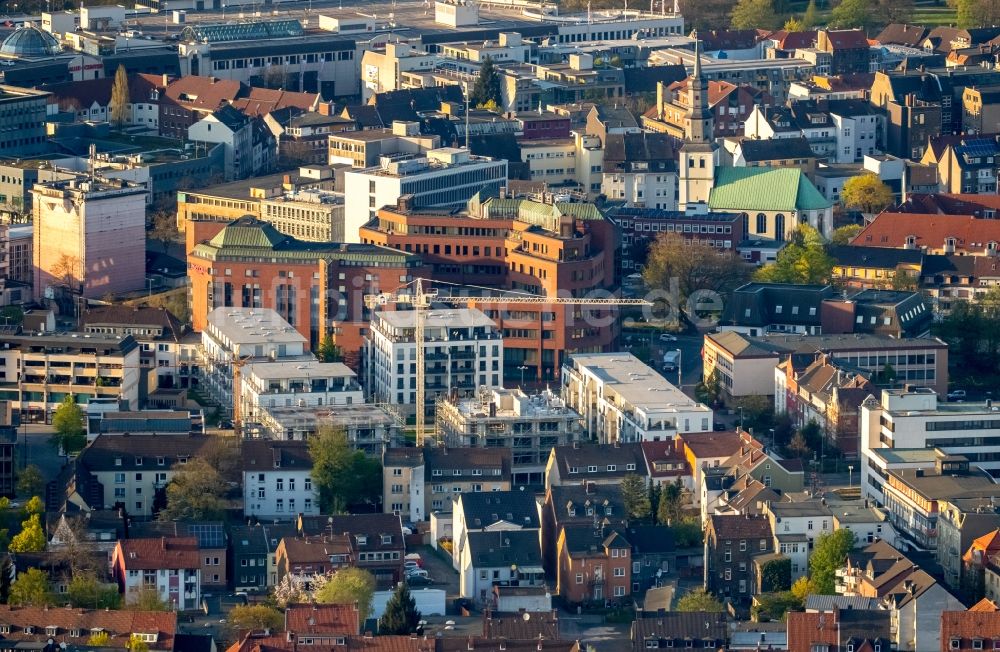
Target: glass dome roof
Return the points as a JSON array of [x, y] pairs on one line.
[[30, 42]]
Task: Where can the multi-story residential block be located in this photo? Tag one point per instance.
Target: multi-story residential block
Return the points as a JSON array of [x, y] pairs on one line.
[[704, 450], [571, 163], [595, 565], [89, 237], [587, 463], [17, 251], [641, 226], [576, 506], [277, 480], [299, 560], [463, 351], [115, 472], [839, 630], [317, 288], [364, 149], [165, 344], [25, 625], [369, 428], [404, 483], [296, 383], [660, 630], [169, 566], [795, 526], [47, 367], [376, 540], [980, 110], [249, 335], [825, 392], [972, 629], [499, 511], [624, 400], [302, 136], [755, 460], [531, 426], [213, 544], [731, 543], [970, 165], [848, 48], [443, 177], [233, 130], [874, 267], [964, 235], [252, 554], [961, 521], [24, 111], [547, 247]]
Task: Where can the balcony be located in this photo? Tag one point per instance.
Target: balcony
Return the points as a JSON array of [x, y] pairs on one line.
[[463, 354]]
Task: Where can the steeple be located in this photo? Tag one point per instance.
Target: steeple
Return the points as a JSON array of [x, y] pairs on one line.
[[700, 122], [696, 173]]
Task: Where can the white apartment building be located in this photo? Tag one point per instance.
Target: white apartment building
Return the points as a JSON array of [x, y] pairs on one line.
[[381, 70], [624, 400], [442, 177], [234, 131], [509, 418], [297, 383], [795, 526], [168, 565], [463, 351], [914, 418], [248, 335], [311, 214], [277, 480], [90, 236]]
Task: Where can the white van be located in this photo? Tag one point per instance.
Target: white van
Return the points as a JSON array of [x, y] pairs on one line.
[[670, 360]]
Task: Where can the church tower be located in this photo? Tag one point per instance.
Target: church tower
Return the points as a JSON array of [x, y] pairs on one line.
[[697, 155]]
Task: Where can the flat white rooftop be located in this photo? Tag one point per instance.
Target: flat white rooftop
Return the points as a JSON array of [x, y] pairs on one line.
[[452, 318], [298, 369], [242, 326], [636, 383]]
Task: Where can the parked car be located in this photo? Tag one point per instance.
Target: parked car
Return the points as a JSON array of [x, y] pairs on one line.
[[416, 573], [956, 395], [720, 427], [667, 337]]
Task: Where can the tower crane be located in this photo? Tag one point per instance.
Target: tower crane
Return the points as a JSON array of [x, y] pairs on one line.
[[420, 300]]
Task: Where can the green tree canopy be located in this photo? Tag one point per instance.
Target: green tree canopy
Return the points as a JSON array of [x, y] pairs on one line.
[[670, 509], [86, 592], [699, 600], [148, 599], [977, 13], [120, 98], [30, 481], [829, 554], [401, 616], [70, 431], [255, 617], [341, 475], [347, 586], [810, 19], [635, 496], [693, 265], [755, 14], [802, 261], [776, 575], [31, 538], [794, 25], [487, 86], [866, 193], [774, 606], [844, 234], [195, 492], [31, 589], [853, 13], [328, 351]]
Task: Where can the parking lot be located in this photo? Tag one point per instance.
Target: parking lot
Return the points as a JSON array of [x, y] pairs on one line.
[[439, 571]]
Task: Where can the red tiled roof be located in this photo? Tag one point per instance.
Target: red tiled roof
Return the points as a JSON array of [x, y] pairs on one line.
[[986, 545], [328, 619], [206, 93], [847, 39], [162, 553], [793, 40], [969, 625], [119, 625], [712, 444], [808, 629], [261, 101], [666, 451], [984, 605], [891, 230], [717, 90]]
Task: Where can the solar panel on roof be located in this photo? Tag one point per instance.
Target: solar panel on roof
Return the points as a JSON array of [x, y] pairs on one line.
[[209, 535]]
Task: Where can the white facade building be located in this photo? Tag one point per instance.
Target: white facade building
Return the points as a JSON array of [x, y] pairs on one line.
[[168, 565], [463, 351], [298, 383], [443, 177], [277, 480], [234, 131], [624, 400]]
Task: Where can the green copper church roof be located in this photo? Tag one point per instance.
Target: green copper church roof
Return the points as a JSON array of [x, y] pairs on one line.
[[764, 189]]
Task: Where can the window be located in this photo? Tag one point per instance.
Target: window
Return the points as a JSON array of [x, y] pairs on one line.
[[579, 578], [977, 644], [954, 643], [619, 572], [743, 545], [619, 591]]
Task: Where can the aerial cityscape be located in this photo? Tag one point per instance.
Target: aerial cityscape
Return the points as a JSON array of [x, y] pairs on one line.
[[489, 325]]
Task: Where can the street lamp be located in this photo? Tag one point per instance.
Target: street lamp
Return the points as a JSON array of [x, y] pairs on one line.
[[741, 417], [771, 430], [680, 368], [522, 369], [850, 476]]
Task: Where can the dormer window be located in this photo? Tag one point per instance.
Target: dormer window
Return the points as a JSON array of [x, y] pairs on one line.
[[76, 632], [611, 467], [911, 240], [592, 469], [361, 539], [954, 643], [51, 630], [574, 469], [850, 647], [457, 472], [630, 467], [29, 629], [386, 539], [977, 644], [4, 629], [118, 461]]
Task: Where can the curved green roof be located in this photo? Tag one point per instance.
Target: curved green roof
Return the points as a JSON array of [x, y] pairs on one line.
[[248, 232], [764, 189]]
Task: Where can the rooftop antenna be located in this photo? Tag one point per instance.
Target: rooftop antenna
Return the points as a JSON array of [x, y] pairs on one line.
[[468, 93], [91, 164]]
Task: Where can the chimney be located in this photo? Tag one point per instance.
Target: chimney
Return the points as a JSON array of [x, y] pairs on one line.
[[165, 80], [163, 542]]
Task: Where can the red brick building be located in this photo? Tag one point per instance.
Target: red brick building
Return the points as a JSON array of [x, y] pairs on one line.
[[595, 565], [318, 288]]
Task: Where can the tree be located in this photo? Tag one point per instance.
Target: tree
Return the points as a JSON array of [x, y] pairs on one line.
[[828, 555], [810, 18], [67, 421], [401, 616], [843, 235], [692, 265], [699, 599], [137, 644], [774, 606], [33, 506], [328, 351], [755, 14], [802, 261], [31, 538], [866, 193], [799, 446], [86, 592], [120, 98], [853, 13], [163, 228], [687, 532], [347, 586], [670, 509], [66, 270], [341, 475], [756, 412], [893, 11], [99, 639], [709, 390], [704, 14], [802, 589], [635, 497], [487, 86], [148, 599], [776, 575], [977, 13], [30, 481], [195, 492], [794, 25], [255, 617], [31, 589], [972, 331]]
